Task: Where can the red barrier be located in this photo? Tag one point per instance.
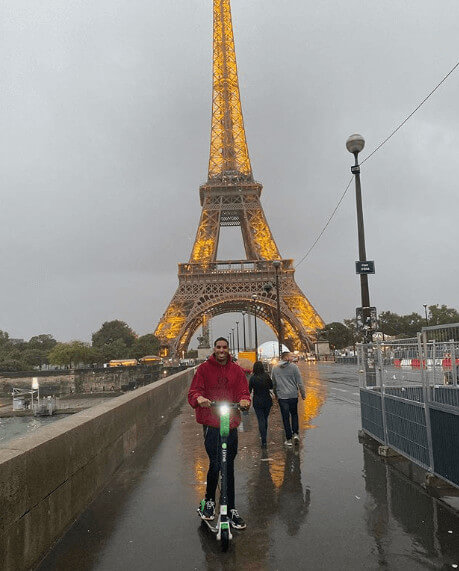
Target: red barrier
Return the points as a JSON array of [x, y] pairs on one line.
[[447, 362], [397, 362]]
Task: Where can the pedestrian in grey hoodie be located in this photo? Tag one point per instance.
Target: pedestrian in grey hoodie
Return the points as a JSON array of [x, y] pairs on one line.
[[287, 382]]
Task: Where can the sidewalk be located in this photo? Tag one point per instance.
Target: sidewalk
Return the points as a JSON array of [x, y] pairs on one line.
[[331, 504]]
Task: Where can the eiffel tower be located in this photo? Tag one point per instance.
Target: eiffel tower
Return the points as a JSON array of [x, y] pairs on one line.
[[231, 197]]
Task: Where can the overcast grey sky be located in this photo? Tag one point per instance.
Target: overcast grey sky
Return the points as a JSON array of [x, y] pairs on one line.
[[104, 141]]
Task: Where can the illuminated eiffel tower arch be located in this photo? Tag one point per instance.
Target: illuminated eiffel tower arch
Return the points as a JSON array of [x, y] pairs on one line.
[[231, 197]]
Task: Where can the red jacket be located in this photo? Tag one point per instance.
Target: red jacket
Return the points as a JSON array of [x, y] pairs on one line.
[[218, 382]]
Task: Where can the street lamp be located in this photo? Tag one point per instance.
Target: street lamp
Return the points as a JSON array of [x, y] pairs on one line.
[[234, 345], [255, 297], [425, 310], [277, 264], [237, 336], [36, 387], [354, 145], [268, 287], [243, 329]]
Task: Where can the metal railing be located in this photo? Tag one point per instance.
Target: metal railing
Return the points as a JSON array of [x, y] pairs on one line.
[[449, 332], [410, 398], [232, 266]]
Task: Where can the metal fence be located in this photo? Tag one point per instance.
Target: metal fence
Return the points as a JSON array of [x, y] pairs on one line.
[[449, 332], [409, 397]]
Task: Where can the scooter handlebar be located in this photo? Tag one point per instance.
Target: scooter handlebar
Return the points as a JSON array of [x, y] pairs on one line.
[[225, 403]]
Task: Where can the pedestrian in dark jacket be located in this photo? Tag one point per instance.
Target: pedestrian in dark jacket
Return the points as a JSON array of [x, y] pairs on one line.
[[219, 379], [261, 384]]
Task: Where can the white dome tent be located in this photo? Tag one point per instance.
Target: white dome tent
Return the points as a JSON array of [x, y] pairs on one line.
[[268, 350]]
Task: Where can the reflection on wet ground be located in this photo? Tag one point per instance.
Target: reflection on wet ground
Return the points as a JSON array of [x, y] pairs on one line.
[[329, 504]]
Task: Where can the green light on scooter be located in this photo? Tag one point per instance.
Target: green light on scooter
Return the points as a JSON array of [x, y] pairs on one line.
[[224, 425], [224, 411]]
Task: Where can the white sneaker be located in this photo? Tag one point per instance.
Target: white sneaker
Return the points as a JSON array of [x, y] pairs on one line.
[[296, 438], [288, 443]]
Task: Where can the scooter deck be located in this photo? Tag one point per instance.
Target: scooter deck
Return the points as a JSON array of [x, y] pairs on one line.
[[211, 524], [208, 523]]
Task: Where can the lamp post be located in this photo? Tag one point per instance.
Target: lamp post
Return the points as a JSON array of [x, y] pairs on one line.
[[229, 342], [268, 288], [277, 264], [36, 387], [243, 329], [237, 336], [234, 345], [255, 297], [425, 311], [354, 145]]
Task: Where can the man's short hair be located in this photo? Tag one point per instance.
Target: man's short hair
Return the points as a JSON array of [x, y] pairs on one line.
[[220, 339], [285, 354]]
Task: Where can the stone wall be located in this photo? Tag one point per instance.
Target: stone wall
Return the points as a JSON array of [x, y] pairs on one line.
[[61, 383], [49, 477]]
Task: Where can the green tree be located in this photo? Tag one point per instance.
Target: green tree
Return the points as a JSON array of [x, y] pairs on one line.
[[338, 335], [44, 342], [11, 365], [5, 344], [441, 315], [412, 324], [352, 326], [144, 345], [4, 338], [116, 350], [192, 354], [97, 356], [112, 331], [12, 352], [391, 324], [60, 354], [400, 326], [71, 354], [34, 357]]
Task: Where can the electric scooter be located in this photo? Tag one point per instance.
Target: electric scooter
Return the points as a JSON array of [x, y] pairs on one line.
[[222, 528]]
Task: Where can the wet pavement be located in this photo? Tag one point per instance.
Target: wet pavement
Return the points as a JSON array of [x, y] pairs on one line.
[[333, 503]]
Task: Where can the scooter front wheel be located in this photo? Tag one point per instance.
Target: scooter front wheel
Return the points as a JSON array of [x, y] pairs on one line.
[[225, 539]]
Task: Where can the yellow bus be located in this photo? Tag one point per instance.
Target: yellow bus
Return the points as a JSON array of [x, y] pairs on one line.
[[123, 363], [151, 360]]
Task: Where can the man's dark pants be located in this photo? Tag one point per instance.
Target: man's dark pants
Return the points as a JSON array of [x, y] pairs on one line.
[[289, 408], [213, 446]]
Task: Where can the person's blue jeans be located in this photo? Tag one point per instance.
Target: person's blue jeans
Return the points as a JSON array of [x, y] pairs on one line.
[[289, 410], [262, 417]]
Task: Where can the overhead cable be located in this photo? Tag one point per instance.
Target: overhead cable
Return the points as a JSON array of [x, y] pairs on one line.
[[372, 153], [328, 222]]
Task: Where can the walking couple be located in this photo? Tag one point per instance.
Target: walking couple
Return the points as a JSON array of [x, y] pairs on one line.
[[286, 382]]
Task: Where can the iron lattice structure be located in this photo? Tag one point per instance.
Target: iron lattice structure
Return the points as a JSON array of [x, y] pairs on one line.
[[231, 197]]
